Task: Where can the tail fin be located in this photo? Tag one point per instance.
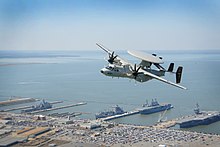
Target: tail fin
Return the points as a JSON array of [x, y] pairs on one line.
[[179, 74], [170, 68]]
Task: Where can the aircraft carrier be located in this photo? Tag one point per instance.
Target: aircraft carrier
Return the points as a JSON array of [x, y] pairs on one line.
[[154, 107], [199, 118]]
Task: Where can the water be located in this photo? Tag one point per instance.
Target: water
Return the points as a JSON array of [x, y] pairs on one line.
[[75, 76]]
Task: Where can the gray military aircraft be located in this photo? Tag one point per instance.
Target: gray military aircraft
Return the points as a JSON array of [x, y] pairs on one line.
[[142, 72]]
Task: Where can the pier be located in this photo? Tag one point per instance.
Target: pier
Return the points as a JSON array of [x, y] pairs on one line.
[[56, 102], [165, 124], [17, 100], [27, 107], [66, 114], [120, 115], [61, 107]]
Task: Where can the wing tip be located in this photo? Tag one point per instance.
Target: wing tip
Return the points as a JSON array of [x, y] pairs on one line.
[[182, 87]]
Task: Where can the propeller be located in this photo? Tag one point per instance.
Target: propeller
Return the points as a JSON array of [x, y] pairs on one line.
[[135, 72], [112, 57]]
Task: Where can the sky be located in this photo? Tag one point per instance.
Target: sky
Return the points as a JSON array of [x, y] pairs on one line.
[[117, 24]]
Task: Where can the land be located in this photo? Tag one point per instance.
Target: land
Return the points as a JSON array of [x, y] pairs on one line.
[[32, 130]]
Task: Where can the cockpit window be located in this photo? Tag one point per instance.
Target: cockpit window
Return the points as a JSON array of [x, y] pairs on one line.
[[109, 67], [112, 68]]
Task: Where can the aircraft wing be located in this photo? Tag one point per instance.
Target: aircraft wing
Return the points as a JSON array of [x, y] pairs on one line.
[[104, 48], [161, 79], [118, 60]]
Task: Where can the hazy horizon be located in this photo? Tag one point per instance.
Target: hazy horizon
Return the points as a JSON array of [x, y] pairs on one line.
[[117, 24]]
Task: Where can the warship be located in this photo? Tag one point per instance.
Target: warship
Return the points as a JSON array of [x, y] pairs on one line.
[[199, 118], [41, 106], [116, 110], [154, 107]]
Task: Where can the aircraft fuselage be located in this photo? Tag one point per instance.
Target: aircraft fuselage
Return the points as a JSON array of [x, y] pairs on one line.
[[126, 72]]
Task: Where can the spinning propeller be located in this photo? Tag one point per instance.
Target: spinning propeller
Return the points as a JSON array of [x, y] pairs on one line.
[[112, 57], [135, 72]]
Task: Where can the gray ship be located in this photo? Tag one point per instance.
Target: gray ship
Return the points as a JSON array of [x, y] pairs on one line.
[[116, 110], [154, 107], [41, 106], [199, 118]]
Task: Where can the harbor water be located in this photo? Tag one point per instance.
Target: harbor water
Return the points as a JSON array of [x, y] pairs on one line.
[[75, 76]]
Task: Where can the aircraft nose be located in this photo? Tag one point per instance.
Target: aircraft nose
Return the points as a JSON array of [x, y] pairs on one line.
[[102, 71]]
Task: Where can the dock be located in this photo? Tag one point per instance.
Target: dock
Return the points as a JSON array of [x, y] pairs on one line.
[[56, 102], [66, 114], [165, 124], [17, 101], [120, 115], [61, 107], [27, 107]]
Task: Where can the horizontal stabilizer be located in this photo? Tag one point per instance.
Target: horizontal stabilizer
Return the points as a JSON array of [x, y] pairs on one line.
[[171, 66], [179, 74]]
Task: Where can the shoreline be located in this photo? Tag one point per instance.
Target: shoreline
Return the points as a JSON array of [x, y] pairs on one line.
[[77, 132]]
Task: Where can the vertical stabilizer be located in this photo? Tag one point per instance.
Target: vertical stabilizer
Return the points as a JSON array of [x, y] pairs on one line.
[[179, 74], [170, 68]]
